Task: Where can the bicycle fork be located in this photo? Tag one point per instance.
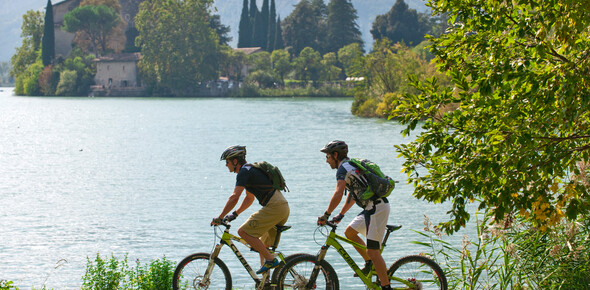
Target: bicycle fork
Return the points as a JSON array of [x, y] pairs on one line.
[[205, 281], [316, 269]]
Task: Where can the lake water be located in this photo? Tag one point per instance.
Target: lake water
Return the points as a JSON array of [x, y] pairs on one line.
[[139, 176]]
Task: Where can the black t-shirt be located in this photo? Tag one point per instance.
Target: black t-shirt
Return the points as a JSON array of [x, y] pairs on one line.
[[256, 182]]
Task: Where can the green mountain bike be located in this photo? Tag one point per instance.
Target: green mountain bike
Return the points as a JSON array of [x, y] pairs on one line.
[[208, 271], [313, 272]]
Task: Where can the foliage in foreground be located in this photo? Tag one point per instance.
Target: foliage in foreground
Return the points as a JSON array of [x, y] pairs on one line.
[[511, 254], [117, 274], [520, 72]]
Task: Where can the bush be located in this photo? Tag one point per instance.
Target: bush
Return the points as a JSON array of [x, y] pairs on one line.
[[115, 274], [67, 83]]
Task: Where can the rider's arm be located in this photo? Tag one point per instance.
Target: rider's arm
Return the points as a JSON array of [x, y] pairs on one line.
[[337, 196], [232, 201], [246, 203], [349, 203]]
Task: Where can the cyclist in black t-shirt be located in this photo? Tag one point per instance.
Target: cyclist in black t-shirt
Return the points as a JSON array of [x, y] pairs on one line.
[[259, 229]]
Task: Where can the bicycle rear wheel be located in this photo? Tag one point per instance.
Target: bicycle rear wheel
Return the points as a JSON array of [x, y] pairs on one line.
[[190, 271], [421, 273], [297, 272]]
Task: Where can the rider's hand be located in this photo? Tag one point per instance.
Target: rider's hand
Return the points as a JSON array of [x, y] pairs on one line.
[[322, 219], [216, 221], [230, 217], [337, 219]]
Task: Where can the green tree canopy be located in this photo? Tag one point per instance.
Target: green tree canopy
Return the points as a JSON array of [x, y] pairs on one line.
[[27, 54], [342, 28], [350, 56], [304, 27], [96, 21], [281, 63], [222, 30], [307, 66], [401, 24], [179, 48], [520, 71]]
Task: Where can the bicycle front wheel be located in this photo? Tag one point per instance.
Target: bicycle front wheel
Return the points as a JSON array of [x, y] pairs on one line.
[[416, 272], [190, 273], [297, 272]]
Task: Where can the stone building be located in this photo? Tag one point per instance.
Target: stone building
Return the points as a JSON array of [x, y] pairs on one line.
[[118, 75]]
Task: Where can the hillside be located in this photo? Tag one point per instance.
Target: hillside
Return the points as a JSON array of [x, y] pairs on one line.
[[11, 13]]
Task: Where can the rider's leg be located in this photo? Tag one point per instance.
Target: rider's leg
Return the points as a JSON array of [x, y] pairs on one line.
[[379, 264], [257, 244], [353, 235]]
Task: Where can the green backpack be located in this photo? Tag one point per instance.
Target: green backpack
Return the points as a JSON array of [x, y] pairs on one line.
[[379, 184], [273, 173]]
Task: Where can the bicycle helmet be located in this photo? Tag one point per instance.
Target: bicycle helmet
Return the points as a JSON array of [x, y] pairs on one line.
[[336, 146], [233, 152]]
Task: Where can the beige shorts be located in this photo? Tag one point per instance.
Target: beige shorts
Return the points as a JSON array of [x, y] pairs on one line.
[[261, 224]]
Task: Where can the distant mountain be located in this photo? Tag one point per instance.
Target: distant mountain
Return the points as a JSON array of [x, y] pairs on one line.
[[11, 15]]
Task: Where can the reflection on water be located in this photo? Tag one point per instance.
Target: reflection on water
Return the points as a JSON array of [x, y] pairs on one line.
[[80, 176]]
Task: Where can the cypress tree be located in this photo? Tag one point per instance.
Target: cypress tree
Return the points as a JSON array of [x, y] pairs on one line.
[[245, 29], [263, 35], [254, 23], [272, 26], [48, 41], [279, 44]]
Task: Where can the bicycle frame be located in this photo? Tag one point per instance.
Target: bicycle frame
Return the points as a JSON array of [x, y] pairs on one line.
[[227, 239], [332, 241]]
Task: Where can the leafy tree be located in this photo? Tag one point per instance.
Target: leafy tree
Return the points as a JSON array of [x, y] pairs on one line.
[[302, 28], [67, 83], [116, 39], [261, 72], [232, 63], [245, 30], [32, 29], [222, 30], [179, 49], [342, 28], [386, 71], [330, 70], [281, 63], [48, 44], [28, 82], [401, 24], [520, 72], [350, 56], [96, 21], [27, 54], [307, 66]]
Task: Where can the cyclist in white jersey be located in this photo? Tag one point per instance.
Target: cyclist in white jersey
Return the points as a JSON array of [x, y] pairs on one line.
[[371, 222]]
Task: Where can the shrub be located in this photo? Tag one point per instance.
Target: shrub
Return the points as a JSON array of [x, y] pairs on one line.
[[115, 274]]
